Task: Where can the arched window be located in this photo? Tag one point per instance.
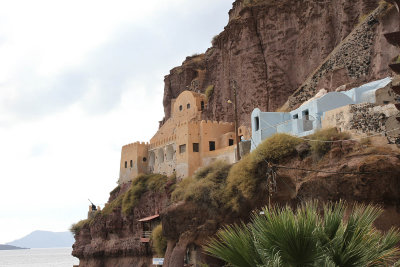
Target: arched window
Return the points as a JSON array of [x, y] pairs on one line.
[[188, 106], [131, 163], [180, 108], [152, 158], [160, 155], [202, 105], [170, 153], [126, 164]]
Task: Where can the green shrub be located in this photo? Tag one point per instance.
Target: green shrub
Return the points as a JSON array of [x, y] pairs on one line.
[[209, 91], [206, 187], [159, 242], [109, 207], [140, 185], [276, 148], [321, 148], [76, 227], [246, 177], [179, 191]]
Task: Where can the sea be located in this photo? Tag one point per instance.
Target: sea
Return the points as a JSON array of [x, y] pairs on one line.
[[38, 257]]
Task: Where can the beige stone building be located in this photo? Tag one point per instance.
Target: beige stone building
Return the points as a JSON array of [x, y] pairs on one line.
[[183, 143]]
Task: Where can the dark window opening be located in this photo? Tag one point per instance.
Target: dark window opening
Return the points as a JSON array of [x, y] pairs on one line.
[[182, 149], [306, 115], [126, 164], [240, 130], [202, 105], [180, 107], [295, 116], [195, 147], [230, 142], [386, 102], [212, 145], [188, 106], [144, 159], [131, 164], [257, 123]]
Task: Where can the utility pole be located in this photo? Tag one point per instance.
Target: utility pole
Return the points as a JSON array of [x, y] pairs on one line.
[[234, 86]]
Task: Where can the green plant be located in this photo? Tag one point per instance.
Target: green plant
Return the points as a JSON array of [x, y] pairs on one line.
[[303, 237], [276, 148], [206, 187], [322, 140], [140, 185], [109, 207], [77, 227], [246, 177], [159, 242], [209, 91]]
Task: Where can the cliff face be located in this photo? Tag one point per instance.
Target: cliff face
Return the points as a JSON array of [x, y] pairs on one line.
[[113, 239], [272, 48]]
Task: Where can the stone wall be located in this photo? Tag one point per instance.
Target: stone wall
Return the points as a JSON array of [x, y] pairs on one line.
[[361, 119]]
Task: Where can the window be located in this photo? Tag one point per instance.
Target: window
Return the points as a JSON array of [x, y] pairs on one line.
[[230, 142], [240, 131], [202, 105], [182, 149], [144, 159], [188, 106], [131, 164], [126, 164], [160, 155], [295, 116], [180, 108], [386, 102], [195, 147], [170, 152], [305, 115], [256, 123], [212, 145]]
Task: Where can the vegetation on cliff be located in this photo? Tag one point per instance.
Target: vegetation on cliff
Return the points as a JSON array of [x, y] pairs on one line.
[[222, 186], [303, 237], [159, 242]]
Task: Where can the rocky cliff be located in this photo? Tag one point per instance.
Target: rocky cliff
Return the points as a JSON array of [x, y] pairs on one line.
[[279, 53], [275, 48], [366, 171]]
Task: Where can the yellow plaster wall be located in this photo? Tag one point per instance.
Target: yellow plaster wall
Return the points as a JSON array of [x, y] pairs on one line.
[[138, 153], [184, 127]]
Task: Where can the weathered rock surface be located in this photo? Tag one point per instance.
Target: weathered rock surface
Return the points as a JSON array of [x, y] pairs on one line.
[[114, 239], [273, 48]]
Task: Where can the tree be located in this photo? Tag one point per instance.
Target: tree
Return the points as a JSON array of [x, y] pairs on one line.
[[305, 237]]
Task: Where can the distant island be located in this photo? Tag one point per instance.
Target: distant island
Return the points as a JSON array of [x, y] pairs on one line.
[[9, 247], [44, 239]]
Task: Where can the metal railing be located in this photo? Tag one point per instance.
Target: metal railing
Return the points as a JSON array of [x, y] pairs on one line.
[[146, 234]]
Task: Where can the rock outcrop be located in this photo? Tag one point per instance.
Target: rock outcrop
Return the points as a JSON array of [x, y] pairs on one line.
[[274, 48]]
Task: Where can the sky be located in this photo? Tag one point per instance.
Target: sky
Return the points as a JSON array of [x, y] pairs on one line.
[[78, 80]]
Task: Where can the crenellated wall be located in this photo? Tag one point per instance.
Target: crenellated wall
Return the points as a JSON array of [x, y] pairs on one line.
[[134, 160]]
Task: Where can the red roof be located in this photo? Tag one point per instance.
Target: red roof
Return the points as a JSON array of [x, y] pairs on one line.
[[149, 218]]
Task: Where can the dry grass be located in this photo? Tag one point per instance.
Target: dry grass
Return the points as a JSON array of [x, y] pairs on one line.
[[331, 134], [206, 187]]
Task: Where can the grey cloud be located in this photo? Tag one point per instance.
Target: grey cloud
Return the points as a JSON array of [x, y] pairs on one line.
[[133, 54]]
